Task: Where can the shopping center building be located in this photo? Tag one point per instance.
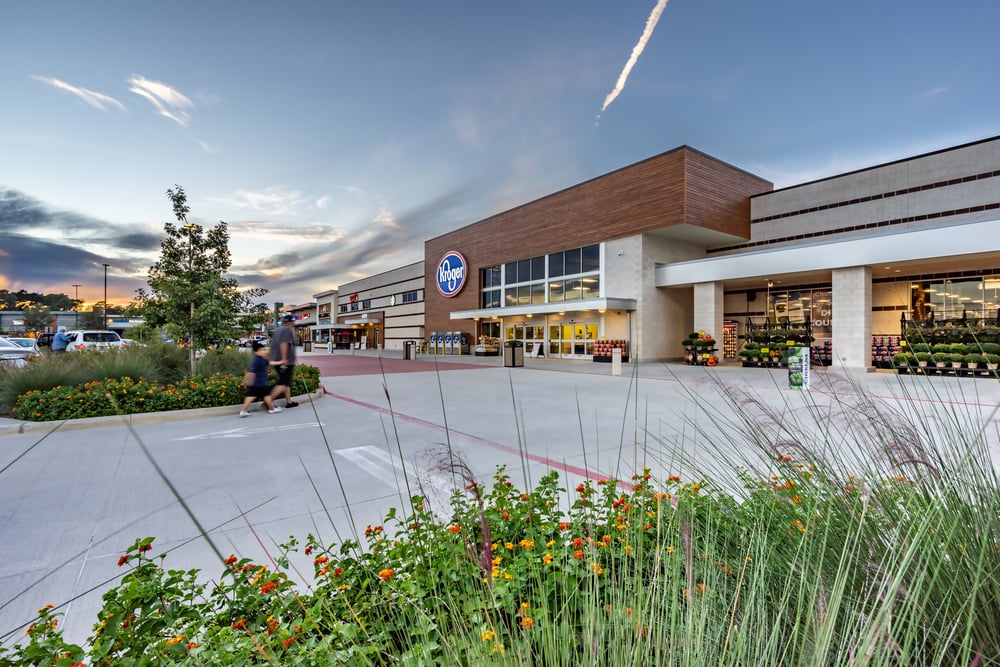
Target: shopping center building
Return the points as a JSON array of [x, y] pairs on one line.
[[684, 242]]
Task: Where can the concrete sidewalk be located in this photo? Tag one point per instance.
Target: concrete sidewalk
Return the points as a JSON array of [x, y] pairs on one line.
[[73, 498]]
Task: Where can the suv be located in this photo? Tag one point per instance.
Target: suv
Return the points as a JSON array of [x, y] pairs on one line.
[[80, 341]]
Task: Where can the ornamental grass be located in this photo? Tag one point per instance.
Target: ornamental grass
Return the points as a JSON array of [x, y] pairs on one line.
[[831, 530]]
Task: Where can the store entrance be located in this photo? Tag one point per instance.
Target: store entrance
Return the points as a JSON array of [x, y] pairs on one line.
[[574, 340], [530, 336]]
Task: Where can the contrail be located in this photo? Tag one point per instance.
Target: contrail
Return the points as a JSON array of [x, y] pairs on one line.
[[654, 17]]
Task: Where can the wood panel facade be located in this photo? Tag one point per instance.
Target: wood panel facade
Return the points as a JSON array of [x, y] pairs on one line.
[[679, 187]]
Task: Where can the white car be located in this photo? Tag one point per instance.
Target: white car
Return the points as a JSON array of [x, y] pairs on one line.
[[82, 341], [12, 354], [27, 343]]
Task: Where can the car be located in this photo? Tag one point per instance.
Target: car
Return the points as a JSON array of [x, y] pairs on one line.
[[85, 340], [44, 340], [131, 342], [13, 355], [28, 343]]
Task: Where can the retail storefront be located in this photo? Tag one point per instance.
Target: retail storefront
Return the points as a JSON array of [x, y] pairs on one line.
[[573, 270]]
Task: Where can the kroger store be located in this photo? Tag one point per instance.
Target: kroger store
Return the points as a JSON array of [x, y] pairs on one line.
[[684, 242]]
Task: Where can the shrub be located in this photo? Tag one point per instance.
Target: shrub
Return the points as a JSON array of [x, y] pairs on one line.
[[100, 398], [227, 360]]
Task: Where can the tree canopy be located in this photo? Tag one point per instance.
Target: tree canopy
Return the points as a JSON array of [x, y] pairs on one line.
[[190, 294]]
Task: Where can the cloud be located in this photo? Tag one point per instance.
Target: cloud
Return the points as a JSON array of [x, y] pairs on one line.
[[169, 102], [48, 251], [91, 97], [637, 50], [935, 92]]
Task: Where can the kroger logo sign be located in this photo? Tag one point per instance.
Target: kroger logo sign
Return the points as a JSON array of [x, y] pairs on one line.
[[451, 273]]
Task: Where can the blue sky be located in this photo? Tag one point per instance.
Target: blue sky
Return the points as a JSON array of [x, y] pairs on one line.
[[335, 137]]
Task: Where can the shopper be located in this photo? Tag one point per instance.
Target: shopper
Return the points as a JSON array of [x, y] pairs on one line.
[[283, 352], [60, 341], [256, 381]]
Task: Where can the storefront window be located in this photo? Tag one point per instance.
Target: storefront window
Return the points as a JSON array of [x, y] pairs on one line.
[[955, 299]]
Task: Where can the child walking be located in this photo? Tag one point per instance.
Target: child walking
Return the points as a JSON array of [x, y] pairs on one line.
[[256, 381]]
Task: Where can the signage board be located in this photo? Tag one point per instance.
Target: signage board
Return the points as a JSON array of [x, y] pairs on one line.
[[451, 274], [798, 367]]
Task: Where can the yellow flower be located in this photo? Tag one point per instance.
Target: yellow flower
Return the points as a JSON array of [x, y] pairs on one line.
[[527, 544], [671, 549], [487, 635], [175, 640], [546, 558]]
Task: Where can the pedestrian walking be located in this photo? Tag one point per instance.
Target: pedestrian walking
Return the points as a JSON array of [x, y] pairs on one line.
[[283, 352], [256, 381]]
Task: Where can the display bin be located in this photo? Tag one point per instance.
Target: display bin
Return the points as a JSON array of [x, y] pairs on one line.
[[513, 353], [410, 349], [307, 346]]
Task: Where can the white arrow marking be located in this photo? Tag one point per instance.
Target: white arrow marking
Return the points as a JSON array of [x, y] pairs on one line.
[[246, 432]]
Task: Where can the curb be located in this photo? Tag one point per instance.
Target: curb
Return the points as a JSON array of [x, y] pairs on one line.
[[15, 426]]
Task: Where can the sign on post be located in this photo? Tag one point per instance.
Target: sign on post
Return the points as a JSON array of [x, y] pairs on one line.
[[798, 367]]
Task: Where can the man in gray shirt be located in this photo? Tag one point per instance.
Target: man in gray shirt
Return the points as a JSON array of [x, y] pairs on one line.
[[283, 350]]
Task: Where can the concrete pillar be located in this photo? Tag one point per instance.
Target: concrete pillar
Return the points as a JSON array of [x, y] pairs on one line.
[[852, 318], [709, 308]]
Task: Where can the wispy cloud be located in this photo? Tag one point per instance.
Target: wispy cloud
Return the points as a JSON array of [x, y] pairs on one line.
[[934, 92], [637, 50], [91, 97], [169, 102]]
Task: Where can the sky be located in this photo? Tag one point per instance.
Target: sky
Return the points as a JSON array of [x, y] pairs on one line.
[[335, 137]]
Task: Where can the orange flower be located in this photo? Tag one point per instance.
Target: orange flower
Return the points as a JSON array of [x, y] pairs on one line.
[[578, 554], [122, 560], [527, 622], [455, 528], [290, 640], [231, 560], [240, 624], [386, 574], [175, 640], [320, 560], [564, 525], [268, 587]]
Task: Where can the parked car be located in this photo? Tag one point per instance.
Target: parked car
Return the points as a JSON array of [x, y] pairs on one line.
[[44, 340], [81, 341], [131, 342], [12, 354], [29, 343]]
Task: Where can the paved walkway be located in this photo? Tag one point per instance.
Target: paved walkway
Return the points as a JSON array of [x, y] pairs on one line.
[[74, 494]]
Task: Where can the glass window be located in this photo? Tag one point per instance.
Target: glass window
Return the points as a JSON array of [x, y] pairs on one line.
[[591, 258], [523, 271], [491, 276], [591, 287], [510, 273], [556, 264], [572, 261], [409, 297], [538, 268], [524, 295], [574, 290], [538, 293], [366, 304], [510, 297], [491, 298], [556, 291]]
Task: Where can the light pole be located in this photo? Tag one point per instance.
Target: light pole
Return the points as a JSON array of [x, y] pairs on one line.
[[106, 295], [76, 305]]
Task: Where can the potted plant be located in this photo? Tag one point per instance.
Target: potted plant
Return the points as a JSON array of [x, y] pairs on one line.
[[920, 347], [903, 359], [974, 359], [955, 359], [992, 361], [923, 358]]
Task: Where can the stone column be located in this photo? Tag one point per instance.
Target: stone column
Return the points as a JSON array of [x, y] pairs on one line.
[[709, 309], [852, 318]]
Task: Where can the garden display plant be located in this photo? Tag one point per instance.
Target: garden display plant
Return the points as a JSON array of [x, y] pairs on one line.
[[833, 530]]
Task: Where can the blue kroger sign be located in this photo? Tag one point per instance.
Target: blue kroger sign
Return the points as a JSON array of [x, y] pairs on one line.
[[451, 273]]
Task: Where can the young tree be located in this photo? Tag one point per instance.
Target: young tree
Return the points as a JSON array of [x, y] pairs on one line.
[[36, 316], [190, 296]]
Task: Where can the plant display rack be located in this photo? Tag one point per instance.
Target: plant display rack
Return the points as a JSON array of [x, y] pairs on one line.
[[883, 349], [603, 348], [957, 347], [775, 337], [700, 349]]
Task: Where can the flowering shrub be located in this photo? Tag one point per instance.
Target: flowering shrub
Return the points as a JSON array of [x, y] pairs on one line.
[[112, 396], [799, 571]]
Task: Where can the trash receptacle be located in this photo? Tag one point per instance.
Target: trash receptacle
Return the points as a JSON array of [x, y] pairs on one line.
[[307, 346], [513, 353], [409, 349]]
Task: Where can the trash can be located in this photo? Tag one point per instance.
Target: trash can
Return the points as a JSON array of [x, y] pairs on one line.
[[513, 353], [409, 349], [307, 346]]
